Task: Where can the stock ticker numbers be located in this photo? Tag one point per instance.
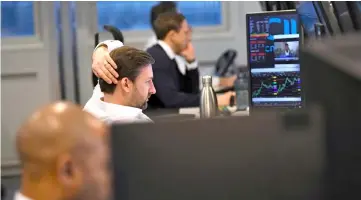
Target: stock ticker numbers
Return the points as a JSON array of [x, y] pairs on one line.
[[258, 35], [277, 84], [257, 51]]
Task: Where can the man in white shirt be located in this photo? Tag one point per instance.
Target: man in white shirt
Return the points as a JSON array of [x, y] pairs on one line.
[[64, 155], [124, 101]]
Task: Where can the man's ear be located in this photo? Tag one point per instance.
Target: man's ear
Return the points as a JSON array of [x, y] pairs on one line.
[[171, 34], [66, 171], [126, 84]]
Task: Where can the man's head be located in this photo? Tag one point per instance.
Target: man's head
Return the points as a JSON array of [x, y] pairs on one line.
[[135, 81], [161, 7], [173, 28], [286, 46], [64, 154]]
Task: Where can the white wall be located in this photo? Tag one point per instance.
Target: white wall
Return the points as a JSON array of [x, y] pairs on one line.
[[29, 79]]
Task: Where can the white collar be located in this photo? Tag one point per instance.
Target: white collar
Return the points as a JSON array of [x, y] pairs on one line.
[[120, 110], [19, 196], [167, 49], [111, 113]]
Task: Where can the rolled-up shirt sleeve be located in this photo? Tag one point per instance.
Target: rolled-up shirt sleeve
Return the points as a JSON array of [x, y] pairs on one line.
[[111, 44]]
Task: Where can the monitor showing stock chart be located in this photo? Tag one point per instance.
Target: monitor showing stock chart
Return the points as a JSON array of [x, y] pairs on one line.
[[273, 40]]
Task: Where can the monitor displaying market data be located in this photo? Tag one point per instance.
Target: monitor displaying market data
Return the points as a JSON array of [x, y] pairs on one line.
[[273, 40]]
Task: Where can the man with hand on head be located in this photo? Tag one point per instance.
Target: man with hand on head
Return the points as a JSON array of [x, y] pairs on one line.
[[124, 101], [177, 87], [64, 155]]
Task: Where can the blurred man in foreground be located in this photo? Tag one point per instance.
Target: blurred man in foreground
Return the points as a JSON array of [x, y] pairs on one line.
[[124, 102], [64, 155]]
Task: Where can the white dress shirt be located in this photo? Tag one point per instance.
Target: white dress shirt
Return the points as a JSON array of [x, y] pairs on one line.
[[113, 113], [19, 196]]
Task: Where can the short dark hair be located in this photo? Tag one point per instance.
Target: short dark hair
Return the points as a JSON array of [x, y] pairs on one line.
[[167, 22], [161, 7], [129, 61]]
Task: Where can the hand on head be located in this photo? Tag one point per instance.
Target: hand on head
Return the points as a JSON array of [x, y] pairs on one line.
[[64, 154], [103, 65]]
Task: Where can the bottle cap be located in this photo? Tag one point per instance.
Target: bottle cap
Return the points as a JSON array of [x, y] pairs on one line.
[[207, 80]]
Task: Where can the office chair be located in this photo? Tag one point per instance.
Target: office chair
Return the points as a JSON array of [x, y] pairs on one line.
[[225, 61], [3, 192], [278, 5], [117, 35]]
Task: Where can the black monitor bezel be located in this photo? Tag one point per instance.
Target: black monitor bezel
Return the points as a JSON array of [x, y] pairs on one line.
[[271, 13], [342, 23], [355, 14]]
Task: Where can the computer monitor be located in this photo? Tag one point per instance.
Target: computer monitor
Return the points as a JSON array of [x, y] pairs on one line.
[[343, 16], [273, 42], [331, 74], [226, 158], [308, 16]]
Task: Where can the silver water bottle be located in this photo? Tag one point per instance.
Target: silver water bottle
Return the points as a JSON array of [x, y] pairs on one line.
[[208, 104]]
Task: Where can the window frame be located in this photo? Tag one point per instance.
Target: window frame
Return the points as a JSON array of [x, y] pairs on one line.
[[31, 41], [222, 31]]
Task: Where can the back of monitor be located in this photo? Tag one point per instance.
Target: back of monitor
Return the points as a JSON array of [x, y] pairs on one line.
[[331, 74], [266, 156]]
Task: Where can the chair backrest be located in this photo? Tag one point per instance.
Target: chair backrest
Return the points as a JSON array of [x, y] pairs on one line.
[[117, 35], [3, 192], [225, 61]]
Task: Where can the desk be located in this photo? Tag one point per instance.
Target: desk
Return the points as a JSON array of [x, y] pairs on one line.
[[182, 114], [195, 111]]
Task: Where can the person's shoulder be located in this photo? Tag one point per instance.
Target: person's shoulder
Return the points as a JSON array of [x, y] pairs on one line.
[[160, 56], [94, 107], [121, 120], [156, 50]]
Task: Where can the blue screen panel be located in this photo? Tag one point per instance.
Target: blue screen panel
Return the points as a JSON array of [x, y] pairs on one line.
[[308, 16], [17, 19], [132, 15]]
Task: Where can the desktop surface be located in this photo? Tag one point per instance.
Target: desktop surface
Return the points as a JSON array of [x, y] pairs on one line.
[[273, 42], [227, 158]]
